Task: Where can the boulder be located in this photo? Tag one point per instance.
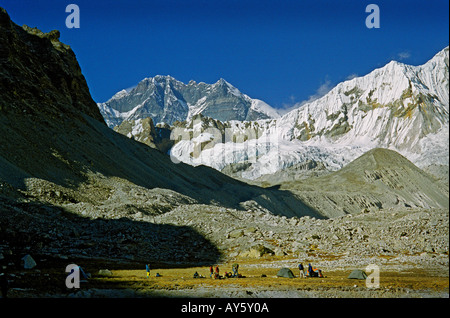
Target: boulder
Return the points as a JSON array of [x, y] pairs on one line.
[[257, 251], [236, 233]]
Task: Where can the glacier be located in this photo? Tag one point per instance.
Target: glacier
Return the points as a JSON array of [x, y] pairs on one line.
[[400, 107]]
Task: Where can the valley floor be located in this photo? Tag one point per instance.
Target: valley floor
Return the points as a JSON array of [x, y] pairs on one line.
[[405, 280]]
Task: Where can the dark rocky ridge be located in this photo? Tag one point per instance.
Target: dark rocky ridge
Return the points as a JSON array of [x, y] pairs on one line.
[[55, 80]]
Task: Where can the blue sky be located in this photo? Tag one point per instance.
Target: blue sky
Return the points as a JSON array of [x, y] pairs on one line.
[[282, 52]]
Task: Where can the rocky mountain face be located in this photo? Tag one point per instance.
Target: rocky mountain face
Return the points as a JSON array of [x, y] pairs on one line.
[[401, 107], [167, 100], [144, 130], [398, 106], [61, 83], [27, 84], [64, 174]]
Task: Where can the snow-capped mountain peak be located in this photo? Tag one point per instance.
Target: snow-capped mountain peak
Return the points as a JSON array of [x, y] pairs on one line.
[[165, 99], [120, 94], [398, 106]]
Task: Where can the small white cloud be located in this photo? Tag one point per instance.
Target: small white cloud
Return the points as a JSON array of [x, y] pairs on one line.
[[351, 76], [321, 91], [403, 55], [129, 89]]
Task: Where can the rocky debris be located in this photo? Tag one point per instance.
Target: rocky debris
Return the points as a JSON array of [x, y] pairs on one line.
[[48, 230], [247, 292], [256, 251], [370, 234], [127, 222], [441, 173], [300, 171]]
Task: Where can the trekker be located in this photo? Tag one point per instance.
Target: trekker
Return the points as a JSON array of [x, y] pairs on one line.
[[235, 269], [216, 275], [211, 271], [147, 268], [315, 272], [302, 270], [310, 270]]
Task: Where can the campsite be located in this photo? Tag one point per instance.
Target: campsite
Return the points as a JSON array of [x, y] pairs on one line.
[[260, 279]]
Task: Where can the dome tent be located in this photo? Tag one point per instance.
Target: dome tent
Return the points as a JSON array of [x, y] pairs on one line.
[[285, 272], [357, 274], [28, 262]]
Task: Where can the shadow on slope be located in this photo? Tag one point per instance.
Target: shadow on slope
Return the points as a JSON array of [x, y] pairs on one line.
[[41, 229], [56, 238]]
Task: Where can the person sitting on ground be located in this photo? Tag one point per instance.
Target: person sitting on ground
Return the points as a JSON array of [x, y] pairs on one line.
[[310, 270], [196, 275], [315, 272]]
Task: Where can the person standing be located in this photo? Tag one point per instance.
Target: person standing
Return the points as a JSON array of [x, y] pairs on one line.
[[217, 272], [302, 270], [235, 268], [147, 268]]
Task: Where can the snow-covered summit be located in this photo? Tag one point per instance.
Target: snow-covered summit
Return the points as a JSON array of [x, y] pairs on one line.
[[398, 106], [165, 99]]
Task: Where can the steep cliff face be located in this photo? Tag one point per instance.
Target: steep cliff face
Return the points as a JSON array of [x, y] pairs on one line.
[[37, 69], [144, 130], [44, 98]]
